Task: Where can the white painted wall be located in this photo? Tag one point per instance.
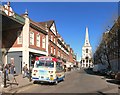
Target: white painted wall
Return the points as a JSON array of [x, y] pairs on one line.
[[25, 53]]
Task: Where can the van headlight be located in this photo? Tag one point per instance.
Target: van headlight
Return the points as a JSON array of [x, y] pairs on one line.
[[50, 72]]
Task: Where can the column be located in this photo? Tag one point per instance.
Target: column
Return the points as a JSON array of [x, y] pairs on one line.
[[25, 53]]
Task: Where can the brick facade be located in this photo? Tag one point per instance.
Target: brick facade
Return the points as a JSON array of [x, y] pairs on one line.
[[35, 39]]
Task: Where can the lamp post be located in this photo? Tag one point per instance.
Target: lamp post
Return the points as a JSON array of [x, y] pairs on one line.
[[4, 70], [30, 69]]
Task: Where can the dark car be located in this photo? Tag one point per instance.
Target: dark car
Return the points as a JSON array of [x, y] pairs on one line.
[[103, 72], [111, 74]]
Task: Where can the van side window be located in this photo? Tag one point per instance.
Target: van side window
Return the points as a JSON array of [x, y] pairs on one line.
[[58, 66]]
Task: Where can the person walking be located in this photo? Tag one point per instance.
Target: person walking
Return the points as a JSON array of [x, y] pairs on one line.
[[12, 69], [1, 67], [25, 71], [7, 71], [12, 73]]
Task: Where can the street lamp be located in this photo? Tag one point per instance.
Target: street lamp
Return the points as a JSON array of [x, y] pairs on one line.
[[30, 69]]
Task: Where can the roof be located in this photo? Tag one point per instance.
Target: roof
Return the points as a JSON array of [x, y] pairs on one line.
[[49, 23]]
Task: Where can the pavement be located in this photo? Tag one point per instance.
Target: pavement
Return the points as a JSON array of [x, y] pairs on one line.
[[12, 86], [24, 82], [113, 87]]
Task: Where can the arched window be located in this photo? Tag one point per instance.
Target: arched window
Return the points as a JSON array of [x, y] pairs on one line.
[[83, 61], [86, 50]]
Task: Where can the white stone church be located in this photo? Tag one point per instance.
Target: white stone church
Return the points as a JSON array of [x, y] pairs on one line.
[[86, 60]]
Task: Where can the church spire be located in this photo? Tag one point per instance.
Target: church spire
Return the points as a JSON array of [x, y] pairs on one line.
[[87, 43]]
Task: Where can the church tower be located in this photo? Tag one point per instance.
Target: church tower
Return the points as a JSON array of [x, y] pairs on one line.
[[86, 60]]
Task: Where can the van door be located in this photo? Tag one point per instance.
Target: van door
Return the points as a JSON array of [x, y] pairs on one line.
[[59, 72]]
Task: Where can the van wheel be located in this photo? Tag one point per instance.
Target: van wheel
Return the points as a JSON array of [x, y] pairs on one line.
[[34, 82]]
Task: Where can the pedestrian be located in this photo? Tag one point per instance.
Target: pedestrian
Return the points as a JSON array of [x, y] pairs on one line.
[[0, 67], [12, 73], [7, 71], [25, 71], [12, 69]]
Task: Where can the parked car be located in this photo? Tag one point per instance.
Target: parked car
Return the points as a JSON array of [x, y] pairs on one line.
[[103, 71], [99, 67], [111, 74], [117, 76], [95, 69]]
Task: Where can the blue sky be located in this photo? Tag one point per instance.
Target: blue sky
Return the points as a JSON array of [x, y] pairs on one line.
[[71, 19]]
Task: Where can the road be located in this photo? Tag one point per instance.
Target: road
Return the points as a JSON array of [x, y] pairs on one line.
[[77, 81]]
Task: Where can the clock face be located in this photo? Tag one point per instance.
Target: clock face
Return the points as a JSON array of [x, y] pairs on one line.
[[52, 28]]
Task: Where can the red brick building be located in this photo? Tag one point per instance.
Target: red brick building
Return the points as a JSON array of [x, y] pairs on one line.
[[57, 46], [22, 42], [27, 39]]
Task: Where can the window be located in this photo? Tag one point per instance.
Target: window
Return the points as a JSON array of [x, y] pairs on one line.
[[44, 63], [83, 61], [19, 37], [31, 38], [51, 49], [51, 37], [43, 42], [38, 40], [59, 66], [86, 61], [54, 40], [59, 53], [86, 50], [54, 51]]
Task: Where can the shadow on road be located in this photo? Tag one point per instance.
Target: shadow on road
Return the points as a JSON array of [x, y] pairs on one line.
[[100, 93], [113, 81], [43, 83], [46, 83]]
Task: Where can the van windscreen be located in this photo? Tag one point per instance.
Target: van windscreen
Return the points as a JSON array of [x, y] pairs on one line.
[[45, 63]]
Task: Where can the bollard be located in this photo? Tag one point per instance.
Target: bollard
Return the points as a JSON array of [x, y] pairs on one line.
[[5, 78]]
